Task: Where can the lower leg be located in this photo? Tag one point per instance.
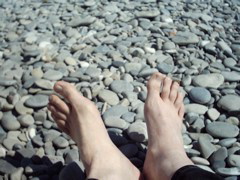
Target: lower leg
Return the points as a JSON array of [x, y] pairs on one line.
[[164, 111]]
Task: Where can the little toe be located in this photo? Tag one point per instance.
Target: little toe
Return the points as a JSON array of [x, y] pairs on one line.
[[61, 124], [179, 100], [166, 88], [174, 91], [181, 111], [67, 90], [154, 84], [59, 104]]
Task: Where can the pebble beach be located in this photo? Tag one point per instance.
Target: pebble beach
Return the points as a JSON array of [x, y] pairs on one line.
[[108, 50]]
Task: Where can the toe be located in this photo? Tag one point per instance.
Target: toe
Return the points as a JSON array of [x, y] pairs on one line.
[[174, 91], [166, 88], [60, 104], [154, 84], [66, 90], [181, 111], [61, 124], [179, 100], [56, 112]]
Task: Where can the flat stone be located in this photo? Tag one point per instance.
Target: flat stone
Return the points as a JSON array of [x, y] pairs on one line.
[[222, 130], [165, 68], [208, 80], [21, 109], [232, 76], [7, 82], [6, 167], [196, 108], [26, 120], [17, 174], [51, 134], [147, 14], [138, 131], [9, 122], [79, 21], [70, 61], [235, 171], [207, 148], [200, 95], [10, 142], [200, 161], [115, 112], [116, 123], [185, 38], [213, 114], [53, 75], [234, 160], [230, 103], [44, 84], [60, 142], [93, 72], [37, 101], [108, 96], [120, 86]]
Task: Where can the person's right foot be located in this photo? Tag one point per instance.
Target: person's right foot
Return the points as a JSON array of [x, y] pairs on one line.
[[164, 112], [80, 119]]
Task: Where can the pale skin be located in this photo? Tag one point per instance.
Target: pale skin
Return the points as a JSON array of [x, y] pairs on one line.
[[81, 120]]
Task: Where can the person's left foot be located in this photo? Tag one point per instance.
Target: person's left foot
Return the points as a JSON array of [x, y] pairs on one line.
[[80, 119]]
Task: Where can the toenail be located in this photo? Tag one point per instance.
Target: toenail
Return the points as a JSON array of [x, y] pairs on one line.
[[58, 88]]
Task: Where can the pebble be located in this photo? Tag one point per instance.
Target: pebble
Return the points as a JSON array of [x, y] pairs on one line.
[[9, 121], [230, 103], [53, 75], [207, 148], [108, 96], [70, 61], [200, 95], [234, 171], [37, 101], [185, 38], [200, 161], [26, 120], [6, 167], [213, 114], [21, 109], [234, 160], [208, 80], [137, 131], [17, 174], [196, 108], [232, 76], [60, 142], [44, 84], [222, 130], [119, 86], [116, 123], [78, 21]]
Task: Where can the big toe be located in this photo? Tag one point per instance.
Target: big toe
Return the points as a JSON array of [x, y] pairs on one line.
[[66, 90], [154, 84]]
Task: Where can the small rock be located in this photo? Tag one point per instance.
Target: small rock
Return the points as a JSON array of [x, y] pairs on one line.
[[222, 130], [200, 95], [185, 38], [9, 122], [26, 120], [208, 80], [213, 114], [60, 142], [108, 96], [37, 101], [138, 131], [230, 103], [53, 75], [120, 86], [196, 108]]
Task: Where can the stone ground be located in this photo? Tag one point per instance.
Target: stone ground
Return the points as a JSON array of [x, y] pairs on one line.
[[108, 49]]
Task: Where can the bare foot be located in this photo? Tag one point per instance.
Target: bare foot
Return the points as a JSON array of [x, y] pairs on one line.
[[164, 112], [80, 119]]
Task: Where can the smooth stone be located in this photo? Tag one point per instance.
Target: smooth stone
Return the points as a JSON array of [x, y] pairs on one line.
[[219, 156], [229, 62], [234, 160], [208, 80], [17, 174], [70, 61], [200, 161], [147, 14], [6, 167], [235, 171], [168, 45], [44, 84], [129, 116], [120, 86], [116, 123], [185, 38], [37, 101], [196, 108], [213, 114], [200, 95], [165, 68], [53, 75], [230, 103], [10, 142], [71, 155], [224, 46], [222, 130], [147, 72], [9, 121], [60, 142], [79, 21], [232, 76], [31, 132], [26, 120], [7, 82], [93, 72], [133, 67], [108, 96], [207, 148], [25, 153], [37, 140], [137, 131], [37, 73], [51, 134], [129, 150]]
